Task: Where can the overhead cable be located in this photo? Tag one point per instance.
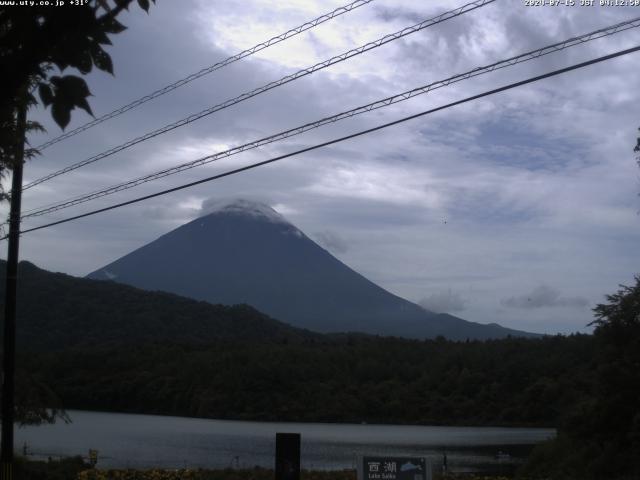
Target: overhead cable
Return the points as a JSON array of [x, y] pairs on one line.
[[337, 140], [284, 80], [205, 71], [524, 57]]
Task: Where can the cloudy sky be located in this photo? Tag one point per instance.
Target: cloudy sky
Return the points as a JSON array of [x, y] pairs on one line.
[[520, 208]]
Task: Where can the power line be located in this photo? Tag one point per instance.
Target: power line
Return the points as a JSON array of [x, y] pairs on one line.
[[524, 57], [205, 71], [284, 80], [341, 139]]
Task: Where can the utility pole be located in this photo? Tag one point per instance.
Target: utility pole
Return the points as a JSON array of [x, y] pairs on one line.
[[9, 340]]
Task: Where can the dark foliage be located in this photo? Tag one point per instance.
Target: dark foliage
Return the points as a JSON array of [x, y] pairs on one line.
[[35, 401], [66, 469], [39, 39], [601, 437], [58, 311], [338, 379], [33, 40]]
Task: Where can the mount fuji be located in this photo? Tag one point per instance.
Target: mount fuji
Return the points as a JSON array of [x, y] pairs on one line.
[[246, 252]]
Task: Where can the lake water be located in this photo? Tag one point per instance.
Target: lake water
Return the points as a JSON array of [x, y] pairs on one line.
[[149, 441]]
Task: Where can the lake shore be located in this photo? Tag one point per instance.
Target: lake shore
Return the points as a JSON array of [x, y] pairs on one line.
[[126, 441]]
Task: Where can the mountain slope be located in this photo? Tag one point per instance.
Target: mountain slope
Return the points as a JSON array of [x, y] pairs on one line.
[[58, 311], [245, 252]]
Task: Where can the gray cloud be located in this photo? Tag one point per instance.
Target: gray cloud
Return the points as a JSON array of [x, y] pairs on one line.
[[332, 241], [444, 302], [544, 296], [403, 14]]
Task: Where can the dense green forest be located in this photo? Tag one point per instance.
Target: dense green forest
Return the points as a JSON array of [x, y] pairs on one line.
[[344, 378]]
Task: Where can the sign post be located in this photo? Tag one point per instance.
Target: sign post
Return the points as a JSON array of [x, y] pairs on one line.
[[287, 456]]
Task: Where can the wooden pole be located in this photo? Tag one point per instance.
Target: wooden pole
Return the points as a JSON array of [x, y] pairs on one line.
[[9, 339]]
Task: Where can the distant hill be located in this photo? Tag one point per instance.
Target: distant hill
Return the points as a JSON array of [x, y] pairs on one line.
[[245, 252], [58, 311]]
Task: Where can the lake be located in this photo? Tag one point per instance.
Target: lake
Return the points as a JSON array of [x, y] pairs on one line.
[[150, 441]]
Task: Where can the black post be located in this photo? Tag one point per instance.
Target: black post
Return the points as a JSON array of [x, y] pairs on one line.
[[287, 456], [9, 350]]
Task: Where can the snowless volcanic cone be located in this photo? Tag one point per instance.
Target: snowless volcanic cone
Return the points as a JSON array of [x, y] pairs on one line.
[[244, 251]]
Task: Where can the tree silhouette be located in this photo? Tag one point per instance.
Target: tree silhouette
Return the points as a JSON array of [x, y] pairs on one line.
[[37, 45]]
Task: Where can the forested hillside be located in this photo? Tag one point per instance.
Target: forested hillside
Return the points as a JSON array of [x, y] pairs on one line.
[[336, 379], [58, 311]]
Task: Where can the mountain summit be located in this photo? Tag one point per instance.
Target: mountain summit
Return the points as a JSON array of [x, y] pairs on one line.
[[246, 252]]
